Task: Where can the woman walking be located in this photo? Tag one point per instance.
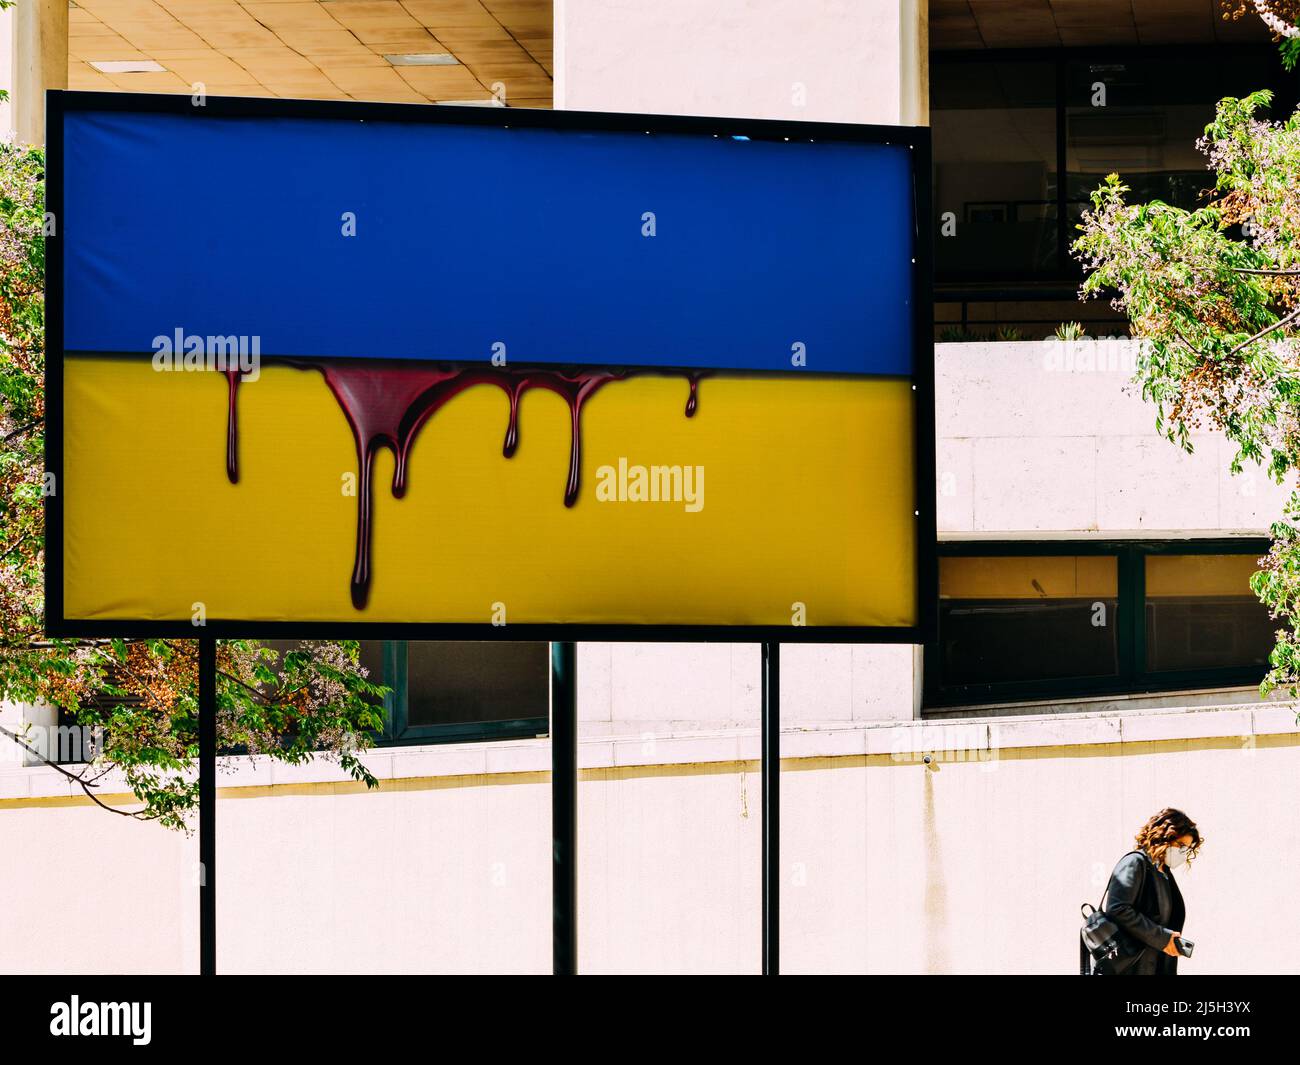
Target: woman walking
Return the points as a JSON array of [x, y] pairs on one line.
[[1142, 897]]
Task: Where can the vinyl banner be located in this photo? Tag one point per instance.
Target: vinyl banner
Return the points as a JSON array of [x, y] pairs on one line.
[[334, 365]]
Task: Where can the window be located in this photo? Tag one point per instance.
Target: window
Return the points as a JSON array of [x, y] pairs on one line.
[[1028, 621], [1021, 138], [447, 692], [463, 691], [994, 608], [1201, 614], [995, 168], [1141, 117]]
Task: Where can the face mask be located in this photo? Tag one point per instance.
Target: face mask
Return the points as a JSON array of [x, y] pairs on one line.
[[1175, 856]]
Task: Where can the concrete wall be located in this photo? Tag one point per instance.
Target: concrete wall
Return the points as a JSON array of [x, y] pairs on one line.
[[1045, 438], [805, 60], [975, 864]]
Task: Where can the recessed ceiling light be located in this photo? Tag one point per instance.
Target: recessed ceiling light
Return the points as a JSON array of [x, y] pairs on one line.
[[127, 66], [423, 59]]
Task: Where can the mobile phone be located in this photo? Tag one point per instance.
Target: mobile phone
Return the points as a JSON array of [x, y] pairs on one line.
[[1185, 946]]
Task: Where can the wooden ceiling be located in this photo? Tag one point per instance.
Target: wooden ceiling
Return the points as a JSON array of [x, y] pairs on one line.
[[318, 49]]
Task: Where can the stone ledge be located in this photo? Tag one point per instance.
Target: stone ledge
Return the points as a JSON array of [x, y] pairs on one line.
[[909, 740]]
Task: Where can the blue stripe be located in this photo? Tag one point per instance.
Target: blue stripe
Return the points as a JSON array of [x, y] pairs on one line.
[[472, 236]]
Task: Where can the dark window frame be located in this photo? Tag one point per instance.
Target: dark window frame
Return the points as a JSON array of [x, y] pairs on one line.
[[1286, 96], [398, 732], [1133, 678]]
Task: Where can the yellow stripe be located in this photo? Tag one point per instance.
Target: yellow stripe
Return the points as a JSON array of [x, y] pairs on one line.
[[808, 498], [614, 773]]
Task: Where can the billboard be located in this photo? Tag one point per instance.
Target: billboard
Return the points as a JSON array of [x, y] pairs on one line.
[[483, 372]]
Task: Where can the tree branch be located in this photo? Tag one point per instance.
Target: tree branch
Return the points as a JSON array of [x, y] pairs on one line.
[[74, 777], [19, 431], [1285, 320], [270, 700]]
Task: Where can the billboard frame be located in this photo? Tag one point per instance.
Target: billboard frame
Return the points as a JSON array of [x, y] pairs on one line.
[[917, 138]]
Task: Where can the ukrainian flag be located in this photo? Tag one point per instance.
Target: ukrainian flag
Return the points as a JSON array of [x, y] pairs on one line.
[[416, 290]]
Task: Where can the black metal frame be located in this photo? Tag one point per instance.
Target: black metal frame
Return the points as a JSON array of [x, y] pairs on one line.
[[1130, 632], [564, 809], [917, 138], [207, 806]]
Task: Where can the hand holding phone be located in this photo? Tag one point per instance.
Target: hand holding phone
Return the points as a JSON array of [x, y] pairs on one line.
[[1185, 946]]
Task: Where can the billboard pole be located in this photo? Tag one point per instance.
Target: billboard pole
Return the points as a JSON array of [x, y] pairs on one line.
[[771, 771], [207, 806], [564, 808]]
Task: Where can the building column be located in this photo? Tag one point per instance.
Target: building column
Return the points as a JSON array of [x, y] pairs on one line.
[[37, 55], [811, 60]]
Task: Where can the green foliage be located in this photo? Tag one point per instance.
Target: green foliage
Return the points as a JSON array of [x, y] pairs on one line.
[[1289, 50], [955, 334], [139, 696], [1214, 297]]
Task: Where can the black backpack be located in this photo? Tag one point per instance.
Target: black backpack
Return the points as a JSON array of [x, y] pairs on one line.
[[1106, 949]]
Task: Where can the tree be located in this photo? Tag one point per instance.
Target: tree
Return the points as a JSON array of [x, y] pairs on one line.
[[138, 696], [1214, 296], [1280, 16]]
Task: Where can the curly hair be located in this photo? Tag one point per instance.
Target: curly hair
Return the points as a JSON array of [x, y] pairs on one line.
[[1164, 830]]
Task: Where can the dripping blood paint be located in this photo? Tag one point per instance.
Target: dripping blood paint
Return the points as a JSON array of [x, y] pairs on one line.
[[385, 405]]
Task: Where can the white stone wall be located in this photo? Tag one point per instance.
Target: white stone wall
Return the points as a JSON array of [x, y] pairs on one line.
[[630, 689], [806, 60], [975, 864], [1040, 438]]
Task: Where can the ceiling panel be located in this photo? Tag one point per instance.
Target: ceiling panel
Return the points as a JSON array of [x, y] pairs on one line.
[[1015, 23]]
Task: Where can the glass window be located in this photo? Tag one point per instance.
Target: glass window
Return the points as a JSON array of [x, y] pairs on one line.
[[994, 137], [1004, 130], [1141, 118], [1025, 618], [1147, 616], [460, 683], [1201, 613]]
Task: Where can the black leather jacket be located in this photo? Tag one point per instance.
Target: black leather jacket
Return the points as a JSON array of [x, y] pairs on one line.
[[1147, 904]]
